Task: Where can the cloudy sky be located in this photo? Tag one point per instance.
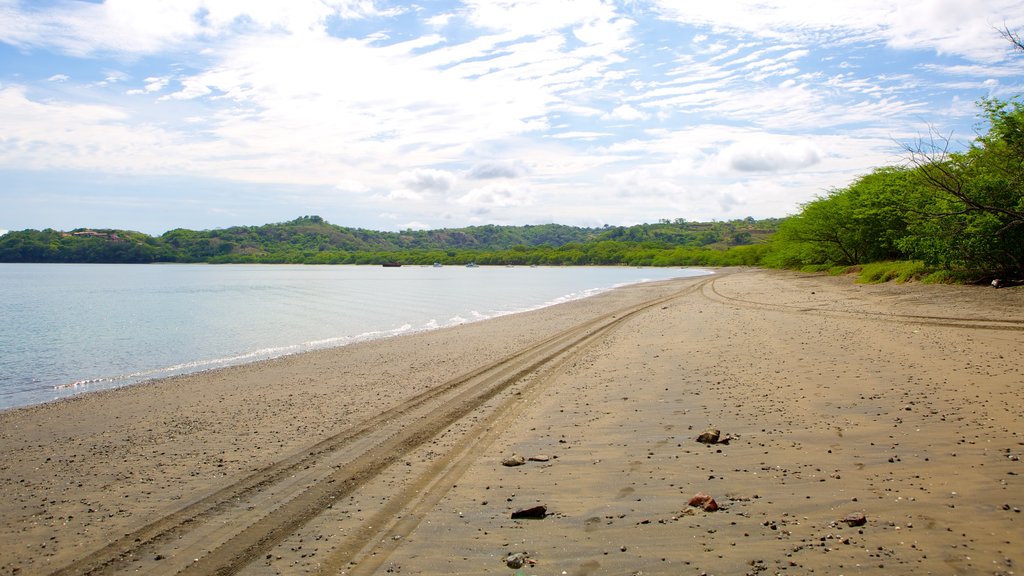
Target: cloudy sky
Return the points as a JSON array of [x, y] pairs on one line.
[[157, 114]]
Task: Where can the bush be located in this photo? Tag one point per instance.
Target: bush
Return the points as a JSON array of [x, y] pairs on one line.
[[901, 271]]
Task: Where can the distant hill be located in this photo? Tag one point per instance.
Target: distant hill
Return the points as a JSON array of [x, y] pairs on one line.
[[312, 240]]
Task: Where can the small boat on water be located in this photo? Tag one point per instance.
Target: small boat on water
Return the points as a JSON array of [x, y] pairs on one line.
[[392, 264], [472, 265], [437, 264]]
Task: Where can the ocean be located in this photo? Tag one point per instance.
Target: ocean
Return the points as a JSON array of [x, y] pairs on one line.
[[69, 329]]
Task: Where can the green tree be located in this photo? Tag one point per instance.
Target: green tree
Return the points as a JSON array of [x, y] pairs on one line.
[[861, 223], [974, 221]]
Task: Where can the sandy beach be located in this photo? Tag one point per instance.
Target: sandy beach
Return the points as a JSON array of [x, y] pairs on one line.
[[862, 430]]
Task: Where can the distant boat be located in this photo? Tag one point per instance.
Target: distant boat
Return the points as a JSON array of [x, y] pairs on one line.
[[437, 264], [392, 264], [472, 265]]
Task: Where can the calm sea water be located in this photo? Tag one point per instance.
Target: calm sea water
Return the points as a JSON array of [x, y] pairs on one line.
[[71, 328]]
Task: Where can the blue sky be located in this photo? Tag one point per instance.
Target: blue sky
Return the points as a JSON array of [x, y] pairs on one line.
[[157, 114]]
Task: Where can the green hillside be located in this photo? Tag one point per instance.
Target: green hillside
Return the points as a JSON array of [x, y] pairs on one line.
[[312, 240]]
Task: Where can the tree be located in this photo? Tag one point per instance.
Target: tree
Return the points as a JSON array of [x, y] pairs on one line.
[[854, 225], [975, 219]]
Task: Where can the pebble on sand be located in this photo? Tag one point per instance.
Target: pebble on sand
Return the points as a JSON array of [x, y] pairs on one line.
[[703, 501], [856, 519], [514, 460], [516, 560], [535, 512], [709, 436]]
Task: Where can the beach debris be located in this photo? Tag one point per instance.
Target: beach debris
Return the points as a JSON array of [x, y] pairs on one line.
[[539, 458], [516, 560], [709, 436], [713, 436], [514, 460], [704, 502], [532, 513], [856, 519]]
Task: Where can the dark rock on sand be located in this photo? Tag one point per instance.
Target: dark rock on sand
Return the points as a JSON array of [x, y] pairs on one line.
[[536, 512], [856, 519], [709, 436]]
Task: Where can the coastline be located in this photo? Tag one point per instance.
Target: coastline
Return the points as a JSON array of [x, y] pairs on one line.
[[159, 323], [898, 402]]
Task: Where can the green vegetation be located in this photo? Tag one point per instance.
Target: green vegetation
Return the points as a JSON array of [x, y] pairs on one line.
[[311, 240], [953, 216]]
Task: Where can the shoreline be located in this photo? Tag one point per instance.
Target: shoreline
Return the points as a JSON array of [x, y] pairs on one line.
[[839, 398], [182, 365]]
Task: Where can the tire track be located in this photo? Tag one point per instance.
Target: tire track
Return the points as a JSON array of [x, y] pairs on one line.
[[710, 291], [364, 552], [236, 524]]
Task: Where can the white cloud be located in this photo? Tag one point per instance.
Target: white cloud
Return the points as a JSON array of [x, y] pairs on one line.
[[113, 77], [137, 27], [190, 88], [153, 84], [765, 154], [626, 112], [580, 135], [440, 20], [351, 186], [962, 27], [493, 169], [492, 196], [429, 180], [537, 17], [414, 225]]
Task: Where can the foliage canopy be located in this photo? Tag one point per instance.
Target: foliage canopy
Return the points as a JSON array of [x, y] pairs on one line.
[[311, 240]]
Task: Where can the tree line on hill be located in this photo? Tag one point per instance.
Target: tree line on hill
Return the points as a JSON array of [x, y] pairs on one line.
[[311, 240]]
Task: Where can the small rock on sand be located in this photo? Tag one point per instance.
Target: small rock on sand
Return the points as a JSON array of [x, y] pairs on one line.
[[535, 512], [516, 560], [709, 436], [703, 501], [855, 519], [514, 460]]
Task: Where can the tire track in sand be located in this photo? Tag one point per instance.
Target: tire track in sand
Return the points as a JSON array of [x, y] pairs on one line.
[[365, 551], [226, 530], [711, 291]]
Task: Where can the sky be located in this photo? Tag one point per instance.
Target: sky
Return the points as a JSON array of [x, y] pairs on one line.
[[151, 115]]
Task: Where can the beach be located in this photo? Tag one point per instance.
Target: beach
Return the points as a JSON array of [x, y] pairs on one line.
[[862, 429]]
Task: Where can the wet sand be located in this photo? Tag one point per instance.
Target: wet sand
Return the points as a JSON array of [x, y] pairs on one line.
[[899, 402]]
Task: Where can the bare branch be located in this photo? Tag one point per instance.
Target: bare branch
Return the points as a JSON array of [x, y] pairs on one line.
[[945, 172], [1012, 37]]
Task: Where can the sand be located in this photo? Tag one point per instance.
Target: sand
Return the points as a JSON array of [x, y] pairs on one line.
[[899, 402]]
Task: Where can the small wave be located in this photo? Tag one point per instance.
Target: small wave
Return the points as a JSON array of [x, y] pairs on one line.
[[233, 360], [135, 377]]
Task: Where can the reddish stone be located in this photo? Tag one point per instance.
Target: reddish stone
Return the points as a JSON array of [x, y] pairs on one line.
[[702, 500]]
